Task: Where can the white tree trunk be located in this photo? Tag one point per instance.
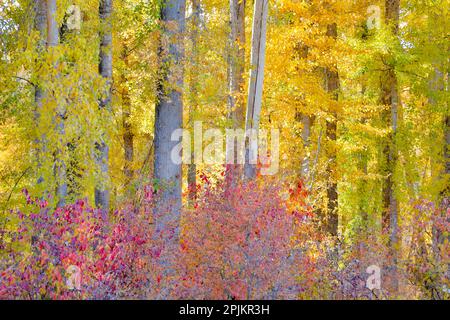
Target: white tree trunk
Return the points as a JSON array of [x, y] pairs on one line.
[[255, 90], [169, 117]]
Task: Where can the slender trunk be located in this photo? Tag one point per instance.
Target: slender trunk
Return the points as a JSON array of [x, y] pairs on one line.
[[60, 165], [307, 122], [363, 202], [128, 138], [258, 55], [363, 206], [169, 117], [192, 168], [439, 237], [128, 135], [102, 194], [332, 87], [446, 192], [52, 26], [391, 99], [74, 171], [435, 85], [40, 25], [236, 82]]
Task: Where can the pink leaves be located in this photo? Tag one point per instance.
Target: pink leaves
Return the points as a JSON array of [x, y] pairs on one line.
[[229, 247], [155, 252], [149, 193], [238, 241]]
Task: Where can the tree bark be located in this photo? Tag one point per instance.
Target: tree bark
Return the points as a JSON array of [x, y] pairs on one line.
[[60, 165], [255, 91], [40, 25], [169, 117], [363, 203], [236, 82], [307, 122], [446, 192], [196, 25], [128, 135], [102, 193], [390, 97], [436, 85], [332, 87]]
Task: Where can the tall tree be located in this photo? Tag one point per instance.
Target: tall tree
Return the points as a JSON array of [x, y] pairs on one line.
[[105, 69], [128, 135], [169, 117], [390, 98], [236, 80], [60, 164], [40, 25], [332, 87], [258, 57], [307, 120], [446, 192], [194, 91]]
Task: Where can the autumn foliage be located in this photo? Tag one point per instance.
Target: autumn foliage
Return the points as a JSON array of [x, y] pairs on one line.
[[237, 242]]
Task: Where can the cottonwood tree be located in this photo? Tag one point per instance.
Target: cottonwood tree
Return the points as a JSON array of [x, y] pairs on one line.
[[332, 87], [236, 61], [169, 117], [390, 98], [102, 194], [195, 27], [258, 56], [40, 25], [128, 134], [60, 164]]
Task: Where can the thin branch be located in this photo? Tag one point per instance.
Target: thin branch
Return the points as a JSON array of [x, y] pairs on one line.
[[26, 80], [315, 161]]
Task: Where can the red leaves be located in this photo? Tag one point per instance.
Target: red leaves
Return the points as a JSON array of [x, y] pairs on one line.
[[239, 241], [204, 178], [229, 247], [156, 252]]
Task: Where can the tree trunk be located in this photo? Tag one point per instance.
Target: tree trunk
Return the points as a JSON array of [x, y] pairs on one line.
[[40, 25], [196, 24], [102, 194], [60, 165], [128, 135], [236, 82], [255, 91], [332, 87], [446, 192], [307, 122], [437, 85], [391, 98], [169, 117]]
